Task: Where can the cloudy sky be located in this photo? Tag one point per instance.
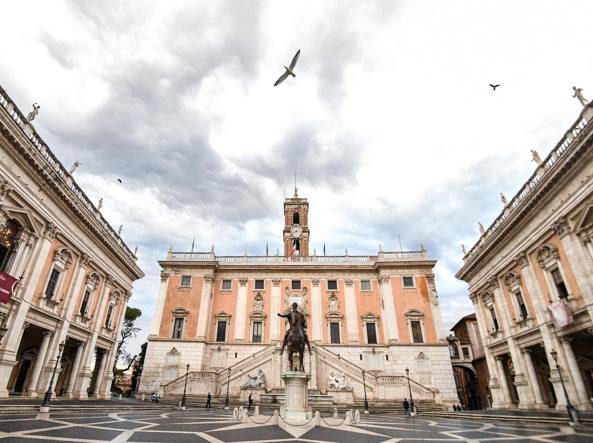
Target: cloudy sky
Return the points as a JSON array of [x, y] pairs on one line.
[[390, 123]]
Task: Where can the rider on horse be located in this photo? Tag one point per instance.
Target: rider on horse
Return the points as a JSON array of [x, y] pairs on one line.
[[296, 321]]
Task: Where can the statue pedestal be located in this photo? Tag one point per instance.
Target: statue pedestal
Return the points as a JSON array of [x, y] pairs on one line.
[[296, 405]]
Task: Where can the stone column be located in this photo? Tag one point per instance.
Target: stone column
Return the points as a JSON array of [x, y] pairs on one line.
[[84, 376], [316, 311], [533, 380], [390, 315], [39, 363], [274, 309], [503, 382], [12, 339], [495, 389], [351, 312], [160, 303], [435, 309], [99, 372], [18, 263], [74, 371], [577, 260], [575, 374], [525, 395], [241, 310], [204, 313], [107, 373]]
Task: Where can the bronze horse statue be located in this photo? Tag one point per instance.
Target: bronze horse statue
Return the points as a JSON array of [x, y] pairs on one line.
[[296, 337]]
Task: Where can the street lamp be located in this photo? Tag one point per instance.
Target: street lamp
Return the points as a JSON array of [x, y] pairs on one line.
[[183, 398], [410, 390], [46, 399], [572, 411], [364, 385], [228, 382]]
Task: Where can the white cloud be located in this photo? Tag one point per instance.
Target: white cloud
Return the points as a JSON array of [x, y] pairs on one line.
[[390, 122]]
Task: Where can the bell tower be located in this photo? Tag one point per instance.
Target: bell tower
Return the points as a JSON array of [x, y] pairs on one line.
[[296, 226]]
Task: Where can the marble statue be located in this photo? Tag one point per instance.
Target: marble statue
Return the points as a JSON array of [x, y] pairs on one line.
[[333, 304], [31, 115], [535, 157], [255, 381], [337, 381], [296, 337], [578, 93]]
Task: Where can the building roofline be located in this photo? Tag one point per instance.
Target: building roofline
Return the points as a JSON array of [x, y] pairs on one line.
[[52, 171], [522, 203]]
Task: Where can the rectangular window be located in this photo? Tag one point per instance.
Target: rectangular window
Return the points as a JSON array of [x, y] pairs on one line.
[[108, 318], [521, 304], [186, 280], [334, 331], [408, 282], [259, 284], [257, 332], [296, 284], [494, 320], [365, 285], [227, 285], [332, 285], [177, 328], [85, 302], [221, 330], [371, 334], [52, 283], [559, 283], [465, 351], [416, 331]]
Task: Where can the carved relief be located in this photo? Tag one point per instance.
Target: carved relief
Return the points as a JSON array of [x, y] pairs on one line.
[[243, 281], [546, 254], [258, 303], [348, 282], [275, 282], [51, 231], [512, 279], [561, 227], [333, 303], [63, 255], [209, 278], [93, 280], [315, 282], [522, 260]]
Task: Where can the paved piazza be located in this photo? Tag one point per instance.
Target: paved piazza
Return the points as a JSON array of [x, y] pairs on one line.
[[218, 426]]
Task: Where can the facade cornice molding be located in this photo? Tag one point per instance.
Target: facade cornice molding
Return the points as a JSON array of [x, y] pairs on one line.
[[29, 150], [560, 162]]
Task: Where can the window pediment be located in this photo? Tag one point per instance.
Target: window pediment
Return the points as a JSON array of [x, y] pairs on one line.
[[546, 255], [512, 279], [415, 313], [180, 312]]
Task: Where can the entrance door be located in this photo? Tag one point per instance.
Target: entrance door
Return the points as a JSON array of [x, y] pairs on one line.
[[20, 379]]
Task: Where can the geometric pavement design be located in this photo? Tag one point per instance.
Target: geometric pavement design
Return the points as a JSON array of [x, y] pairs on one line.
[[215, 426]]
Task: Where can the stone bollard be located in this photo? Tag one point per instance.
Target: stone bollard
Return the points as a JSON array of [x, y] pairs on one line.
[[356, 416], [348, 420], [256, 411], [317, 418], [120, 396], [143, 397], [275, 418], [245, 416], [336, 413], [236, 414]]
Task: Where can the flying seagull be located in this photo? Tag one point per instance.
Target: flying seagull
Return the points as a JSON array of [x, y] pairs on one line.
[[119, 180], [288, 71], [493, 86]]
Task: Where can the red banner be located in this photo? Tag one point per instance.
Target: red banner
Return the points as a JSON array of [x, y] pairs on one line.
[[7, 286]]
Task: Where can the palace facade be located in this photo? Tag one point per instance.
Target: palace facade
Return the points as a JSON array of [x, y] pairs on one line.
[[73, 272], [530, 279], [369, 318]]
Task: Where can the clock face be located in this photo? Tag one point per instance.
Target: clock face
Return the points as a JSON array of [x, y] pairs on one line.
[[296, 231]]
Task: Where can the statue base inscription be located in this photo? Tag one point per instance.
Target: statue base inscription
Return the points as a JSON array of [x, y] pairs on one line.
[[296, 405]]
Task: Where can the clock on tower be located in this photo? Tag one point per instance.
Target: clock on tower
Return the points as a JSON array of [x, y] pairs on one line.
[[296, 227]]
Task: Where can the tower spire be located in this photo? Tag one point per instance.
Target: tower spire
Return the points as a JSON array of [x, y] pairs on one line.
[[296, 190]]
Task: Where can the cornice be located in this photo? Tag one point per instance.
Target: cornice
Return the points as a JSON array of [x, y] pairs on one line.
[[555, 168], [29, 156]]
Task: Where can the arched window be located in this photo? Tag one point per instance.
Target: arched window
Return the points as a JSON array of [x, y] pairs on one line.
[[8, 238], [296, 219]]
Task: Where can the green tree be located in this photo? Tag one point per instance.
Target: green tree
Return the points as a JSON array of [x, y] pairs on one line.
[[128, 330]]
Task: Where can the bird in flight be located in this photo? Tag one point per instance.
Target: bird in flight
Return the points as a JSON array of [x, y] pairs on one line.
[[119, 180], [288, 71], [494, 86]]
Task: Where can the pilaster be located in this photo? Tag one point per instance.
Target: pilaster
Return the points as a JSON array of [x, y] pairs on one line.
[[204, 313], [351, 312], [316, 311], [241, 310], [389, 308]]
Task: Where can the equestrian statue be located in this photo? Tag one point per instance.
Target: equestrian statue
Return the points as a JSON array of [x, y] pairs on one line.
[[296, 337]]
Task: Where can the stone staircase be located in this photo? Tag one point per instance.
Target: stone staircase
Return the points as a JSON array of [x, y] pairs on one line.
[[316, 398]]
